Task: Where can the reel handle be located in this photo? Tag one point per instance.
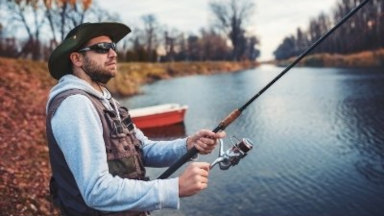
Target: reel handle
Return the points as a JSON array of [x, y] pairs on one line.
[[232, 156]]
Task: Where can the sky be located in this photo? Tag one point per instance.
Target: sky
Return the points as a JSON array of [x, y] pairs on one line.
[[273, 19]]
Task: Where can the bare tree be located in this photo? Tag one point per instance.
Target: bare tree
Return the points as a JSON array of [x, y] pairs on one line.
[[170, 43], [20, 11], [63, 15], [286, 48], [193, 48], [317, 28], [302, 41], [231, 16], [151, 29], [213, 46], [37, 16]]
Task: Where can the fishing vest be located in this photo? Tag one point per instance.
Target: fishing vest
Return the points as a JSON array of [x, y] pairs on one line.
[[124, 156]]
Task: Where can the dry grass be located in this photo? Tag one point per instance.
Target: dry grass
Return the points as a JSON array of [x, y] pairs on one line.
[[362, 59]]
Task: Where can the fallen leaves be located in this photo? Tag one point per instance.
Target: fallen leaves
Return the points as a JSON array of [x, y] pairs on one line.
[[24, 165]]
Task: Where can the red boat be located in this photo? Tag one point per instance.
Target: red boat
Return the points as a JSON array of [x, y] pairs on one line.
[[157, 116]]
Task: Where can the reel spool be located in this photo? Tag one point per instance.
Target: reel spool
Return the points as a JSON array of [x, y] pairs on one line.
[[233, 155]]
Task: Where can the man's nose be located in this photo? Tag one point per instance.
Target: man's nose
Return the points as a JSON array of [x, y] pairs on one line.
[[112, 53]]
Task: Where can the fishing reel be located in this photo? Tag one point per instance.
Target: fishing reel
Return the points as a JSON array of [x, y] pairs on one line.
[[233, 155]]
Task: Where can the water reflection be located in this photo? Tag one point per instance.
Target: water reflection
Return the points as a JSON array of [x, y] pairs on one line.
[[363, 132], [168, 132], [373, 171]]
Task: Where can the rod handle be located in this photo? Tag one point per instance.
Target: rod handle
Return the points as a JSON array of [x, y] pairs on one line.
[[186, 157], [228, 120]]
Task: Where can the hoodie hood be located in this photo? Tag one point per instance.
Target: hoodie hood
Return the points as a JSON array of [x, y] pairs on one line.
[[70, 81]]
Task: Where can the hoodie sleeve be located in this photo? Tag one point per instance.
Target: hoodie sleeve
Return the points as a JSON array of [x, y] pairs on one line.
[[161, 153], [78, 131]]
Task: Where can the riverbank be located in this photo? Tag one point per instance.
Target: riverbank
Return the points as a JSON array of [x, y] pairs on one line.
[[24, 88], [373, 58], [132, 75]]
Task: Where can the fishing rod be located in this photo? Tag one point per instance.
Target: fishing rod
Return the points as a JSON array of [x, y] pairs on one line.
[[237, 112]]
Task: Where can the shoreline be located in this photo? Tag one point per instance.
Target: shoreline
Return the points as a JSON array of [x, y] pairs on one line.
[[372, 58], [133, 75]]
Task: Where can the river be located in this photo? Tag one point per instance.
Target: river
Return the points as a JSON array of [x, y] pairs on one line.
[[318, 135]]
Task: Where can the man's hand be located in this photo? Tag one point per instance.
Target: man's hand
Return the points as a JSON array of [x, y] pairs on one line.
[[194, 179], [204, 140]]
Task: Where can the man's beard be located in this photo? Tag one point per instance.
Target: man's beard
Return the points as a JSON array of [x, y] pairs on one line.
[[96, 72]]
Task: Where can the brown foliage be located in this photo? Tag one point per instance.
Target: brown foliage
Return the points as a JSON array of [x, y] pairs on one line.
[[24, 165]]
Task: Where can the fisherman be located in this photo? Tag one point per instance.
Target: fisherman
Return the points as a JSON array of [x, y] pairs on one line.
[[97, 154]]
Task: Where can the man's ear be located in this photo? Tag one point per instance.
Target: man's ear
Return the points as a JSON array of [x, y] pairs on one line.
[[76, 59]]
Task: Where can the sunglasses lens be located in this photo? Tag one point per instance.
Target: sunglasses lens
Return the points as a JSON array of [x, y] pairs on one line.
[[101, 50], [103, 47]]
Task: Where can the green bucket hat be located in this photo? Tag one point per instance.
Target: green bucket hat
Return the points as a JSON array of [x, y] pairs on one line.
[[59, 63]]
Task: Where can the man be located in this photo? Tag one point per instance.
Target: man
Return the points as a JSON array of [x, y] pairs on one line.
[[97, 155]]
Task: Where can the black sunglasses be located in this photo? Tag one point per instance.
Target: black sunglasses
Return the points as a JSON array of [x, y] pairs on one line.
[[100, 47]]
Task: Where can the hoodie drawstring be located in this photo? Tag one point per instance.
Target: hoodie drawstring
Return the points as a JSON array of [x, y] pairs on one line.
[[116, 110]]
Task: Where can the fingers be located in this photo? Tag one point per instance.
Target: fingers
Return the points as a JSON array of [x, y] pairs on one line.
[[205, 146], [208, 133], [205, 140], [202, 165], [194, 179], [200, 168]]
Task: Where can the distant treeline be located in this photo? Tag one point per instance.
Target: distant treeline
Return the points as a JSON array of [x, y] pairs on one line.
[[166, 46], [363, 31], [33, 28]]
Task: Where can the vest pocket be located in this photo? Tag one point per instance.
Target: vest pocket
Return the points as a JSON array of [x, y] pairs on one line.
[[122, 147], [123, 167]]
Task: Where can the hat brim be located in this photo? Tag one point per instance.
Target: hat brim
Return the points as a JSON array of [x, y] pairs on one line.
[[59, 63]]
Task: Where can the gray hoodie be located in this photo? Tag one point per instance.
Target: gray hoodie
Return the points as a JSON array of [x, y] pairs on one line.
[[78, 131]]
